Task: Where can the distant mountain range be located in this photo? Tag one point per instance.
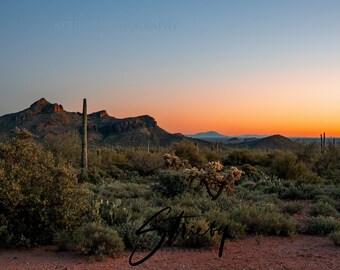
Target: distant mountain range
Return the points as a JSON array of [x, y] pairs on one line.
[[45, 120], [208, 135], [213, 135], [247, 141]]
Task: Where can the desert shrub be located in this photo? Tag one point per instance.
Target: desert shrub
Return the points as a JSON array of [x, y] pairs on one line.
[[321, 225], [146, 163], [240, 157], [106, 208], [188, 151], [212, 155], [172, 219], [66, 146], [332, 191], [127, 231], [138, 205], [324, 209], [121, 215], [171, 184], [251, 172], [328, 165], [268, 184], [335, 236], [263, 219], [200, 202], [120, 190], [39, 194], [111, 160], [309, 154], [309, 177], [291, 207], [286, 165], [93, 239], [131, 176], [292, 192], [93, 175], [225, 202], [311, 190], [254, 195], [248, 184], [233, 229], [327, 199], [196, 235], [303, 191]]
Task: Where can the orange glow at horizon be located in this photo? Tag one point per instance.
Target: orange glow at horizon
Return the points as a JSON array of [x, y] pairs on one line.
[[300, 103]]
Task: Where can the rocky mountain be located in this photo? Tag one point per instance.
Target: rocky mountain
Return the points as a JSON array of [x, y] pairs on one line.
[[45, 120]]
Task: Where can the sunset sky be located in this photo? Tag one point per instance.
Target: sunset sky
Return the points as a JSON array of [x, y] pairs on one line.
[[236, 67]]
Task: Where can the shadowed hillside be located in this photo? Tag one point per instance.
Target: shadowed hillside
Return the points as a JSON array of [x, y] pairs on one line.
[[45, 120]]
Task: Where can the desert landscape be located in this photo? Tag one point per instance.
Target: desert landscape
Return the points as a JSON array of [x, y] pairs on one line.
[[169, 134]]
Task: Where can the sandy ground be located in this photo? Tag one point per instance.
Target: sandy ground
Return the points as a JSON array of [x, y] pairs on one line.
[[301, 252]]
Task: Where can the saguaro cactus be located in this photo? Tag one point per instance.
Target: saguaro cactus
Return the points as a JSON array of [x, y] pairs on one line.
[[324, 140], [84, 163]]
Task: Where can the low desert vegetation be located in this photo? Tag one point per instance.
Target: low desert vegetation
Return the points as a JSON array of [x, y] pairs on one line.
[[45, 196]]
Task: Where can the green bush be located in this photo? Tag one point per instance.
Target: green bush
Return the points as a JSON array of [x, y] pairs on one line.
[[240, 157], [212, 155], [39, 194], [201, 202], [329, 200], [265, 219], [335, 236], [311, 190], [233, 229], [292, 193], [93, 239], [328, 165], [171, 184], [127, 231], [302, 191], [146, 163], [286, 165], [225, 202], [291, 207], [188, 151], [254, 195], [120, 190], [197, 235], [323, 209], [321, 225]]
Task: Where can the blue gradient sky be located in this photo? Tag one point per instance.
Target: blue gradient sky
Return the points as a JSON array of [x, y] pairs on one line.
[[231, 66]]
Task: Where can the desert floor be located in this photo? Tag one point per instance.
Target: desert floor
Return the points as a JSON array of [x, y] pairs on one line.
[[300, 252]]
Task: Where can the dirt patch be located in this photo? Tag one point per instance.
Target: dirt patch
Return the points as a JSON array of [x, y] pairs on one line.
[[301, 252]]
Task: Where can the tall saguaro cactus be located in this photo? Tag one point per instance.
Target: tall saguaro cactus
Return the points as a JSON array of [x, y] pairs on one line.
[[324, 140], [84, 163]]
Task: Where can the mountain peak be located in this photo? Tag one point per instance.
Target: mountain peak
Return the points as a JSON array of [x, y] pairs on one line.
[[41, 101], [43, 106]]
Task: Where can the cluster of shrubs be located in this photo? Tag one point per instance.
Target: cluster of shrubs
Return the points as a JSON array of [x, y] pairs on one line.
[[98, 212], [39, 194]]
